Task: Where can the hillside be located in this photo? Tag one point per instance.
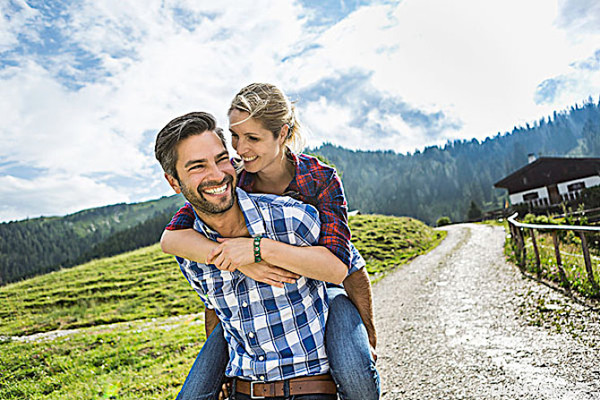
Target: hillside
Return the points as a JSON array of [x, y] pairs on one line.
[[36, 246], [137, 335]]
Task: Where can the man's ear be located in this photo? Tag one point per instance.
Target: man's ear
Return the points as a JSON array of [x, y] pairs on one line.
[[173, 182]]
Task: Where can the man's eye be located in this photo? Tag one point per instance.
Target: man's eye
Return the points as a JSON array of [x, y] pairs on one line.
[[253, 139], [195, 167]]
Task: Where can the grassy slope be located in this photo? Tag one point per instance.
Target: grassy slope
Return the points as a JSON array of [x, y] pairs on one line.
[[134, 360]]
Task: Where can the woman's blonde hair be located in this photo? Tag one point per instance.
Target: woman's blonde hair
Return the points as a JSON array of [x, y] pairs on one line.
[[269, 105]]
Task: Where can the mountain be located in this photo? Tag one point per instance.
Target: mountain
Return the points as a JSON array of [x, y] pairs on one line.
[[36, 246], [444, 180]]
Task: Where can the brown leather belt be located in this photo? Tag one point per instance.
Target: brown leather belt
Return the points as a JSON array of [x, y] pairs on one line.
[[315, 384]]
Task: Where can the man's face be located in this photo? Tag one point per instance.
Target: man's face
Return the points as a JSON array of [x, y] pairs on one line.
[[206, 177]]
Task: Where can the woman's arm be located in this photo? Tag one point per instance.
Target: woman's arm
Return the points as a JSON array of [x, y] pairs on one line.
[[315, 262], [335, 235], [187, 243]]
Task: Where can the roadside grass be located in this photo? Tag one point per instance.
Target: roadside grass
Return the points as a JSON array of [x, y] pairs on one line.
[[144, 283], [572, 262], [494, 222], [387, 242], [127, 346], [133, 360]]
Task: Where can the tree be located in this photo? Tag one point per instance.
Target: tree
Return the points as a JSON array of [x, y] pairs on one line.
[[474, 212]]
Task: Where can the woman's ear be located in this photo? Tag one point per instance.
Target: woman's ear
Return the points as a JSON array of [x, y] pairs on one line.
[[283, 134]]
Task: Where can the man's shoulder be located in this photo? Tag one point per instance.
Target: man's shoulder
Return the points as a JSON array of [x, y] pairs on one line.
[[284, 205]]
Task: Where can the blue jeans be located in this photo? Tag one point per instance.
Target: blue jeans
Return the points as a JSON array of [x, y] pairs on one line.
[[347, 345], [208, 372]]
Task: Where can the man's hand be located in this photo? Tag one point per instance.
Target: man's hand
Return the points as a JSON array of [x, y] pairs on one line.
[[269, 274], [231, 254]]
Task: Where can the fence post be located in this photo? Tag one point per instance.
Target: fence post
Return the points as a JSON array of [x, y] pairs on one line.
[[588, 262], [536, 251], [523, 250], [561, 271], [514, 238]]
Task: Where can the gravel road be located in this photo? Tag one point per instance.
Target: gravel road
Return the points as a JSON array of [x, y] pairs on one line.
[[462, 323]]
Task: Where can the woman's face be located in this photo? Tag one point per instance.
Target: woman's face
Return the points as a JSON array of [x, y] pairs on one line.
[[255, 144]]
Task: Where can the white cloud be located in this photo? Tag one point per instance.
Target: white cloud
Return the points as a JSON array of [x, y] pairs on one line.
[[580, 17], [146, 62], [476, 63], [52, 195], [14, 17]]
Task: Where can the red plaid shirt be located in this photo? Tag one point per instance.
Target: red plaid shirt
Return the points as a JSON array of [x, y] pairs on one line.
[[314, 183]]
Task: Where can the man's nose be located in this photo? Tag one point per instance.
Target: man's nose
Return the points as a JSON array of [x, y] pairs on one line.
[[215, 173]]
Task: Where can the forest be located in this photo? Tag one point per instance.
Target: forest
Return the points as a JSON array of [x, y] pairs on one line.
[[438, 181], [445, 180], [41, 245]]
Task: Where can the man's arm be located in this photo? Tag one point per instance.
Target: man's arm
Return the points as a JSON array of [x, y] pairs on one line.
[[358, 288]]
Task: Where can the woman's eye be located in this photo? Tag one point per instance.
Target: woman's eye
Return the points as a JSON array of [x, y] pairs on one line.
[[253, 139]]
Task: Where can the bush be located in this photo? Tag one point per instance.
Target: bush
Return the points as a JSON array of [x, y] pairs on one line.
[[443, 221]]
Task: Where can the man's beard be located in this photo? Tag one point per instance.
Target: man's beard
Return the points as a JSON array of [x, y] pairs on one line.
[[201, 204]]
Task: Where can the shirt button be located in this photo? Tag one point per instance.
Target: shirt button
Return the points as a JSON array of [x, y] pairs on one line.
[[244, 304], [251, 334], [261, 358], [262, 377]]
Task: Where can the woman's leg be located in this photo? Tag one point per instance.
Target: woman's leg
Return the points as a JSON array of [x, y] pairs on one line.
[[347, 345], [207, 374]]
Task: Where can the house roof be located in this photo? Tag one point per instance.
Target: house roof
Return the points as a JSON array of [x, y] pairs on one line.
[[547, 171]]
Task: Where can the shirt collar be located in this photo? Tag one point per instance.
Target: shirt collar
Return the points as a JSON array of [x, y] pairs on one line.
[[254, 221], [302, 174]]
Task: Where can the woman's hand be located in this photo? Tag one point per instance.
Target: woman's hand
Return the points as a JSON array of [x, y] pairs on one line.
[[231, 254], [269, 274]]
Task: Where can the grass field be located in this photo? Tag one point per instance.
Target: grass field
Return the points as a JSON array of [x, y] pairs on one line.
[[136, 327]]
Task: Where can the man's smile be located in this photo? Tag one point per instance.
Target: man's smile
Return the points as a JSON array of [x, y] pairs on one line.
[[217, 190]]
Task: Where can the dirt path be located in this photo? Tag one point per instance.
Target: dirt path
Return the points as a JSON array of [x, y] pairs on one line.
[[461, 323], [167, 323]]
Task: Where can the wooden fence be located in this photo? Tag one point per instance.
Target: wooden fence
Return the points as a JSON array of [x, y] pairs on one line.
[[518, 229]]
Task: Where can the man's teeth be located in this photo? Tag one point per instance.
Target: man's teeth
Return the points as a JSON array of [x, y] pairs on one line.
[[218, 190], [248, 159]]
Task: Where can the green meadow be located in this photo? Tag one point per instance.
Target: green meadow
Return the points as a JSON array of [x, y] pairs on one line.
[[130, 326]]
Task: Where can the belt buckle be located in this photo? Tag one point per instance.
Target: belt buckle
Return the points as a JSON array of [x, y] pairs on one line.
[[252, 396]]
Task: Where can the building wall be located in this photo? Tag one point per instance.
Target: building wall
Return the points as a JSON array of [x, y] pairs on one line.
[[590, 181], [517, 198]]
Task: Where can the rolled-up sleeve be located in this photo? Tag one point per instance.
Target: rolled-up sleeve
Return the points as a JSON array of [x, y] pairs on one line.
[[183, 219], [333, 212]]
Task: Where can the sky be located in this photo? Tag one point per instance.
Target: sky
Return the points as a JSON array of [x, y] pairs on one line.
[[86, 85]]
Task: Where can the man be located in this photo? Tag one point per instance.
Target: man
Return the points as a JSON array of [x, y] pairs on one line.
[[274, 335]]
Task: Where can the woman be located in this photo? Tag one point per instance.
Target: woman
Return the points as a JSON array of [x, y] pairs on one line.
[[264, 127]]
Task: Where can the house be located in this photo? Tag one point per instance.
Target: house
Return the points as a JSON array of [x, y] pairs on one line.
[[547, 181]]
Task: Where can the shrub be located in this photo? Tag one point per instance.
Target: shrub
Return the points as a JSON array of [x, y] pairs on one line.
[[442, 221]]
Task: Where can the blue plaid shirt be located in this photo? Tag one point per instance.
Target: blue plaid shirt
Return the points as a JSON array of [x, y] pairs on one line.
[[272, 333]]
